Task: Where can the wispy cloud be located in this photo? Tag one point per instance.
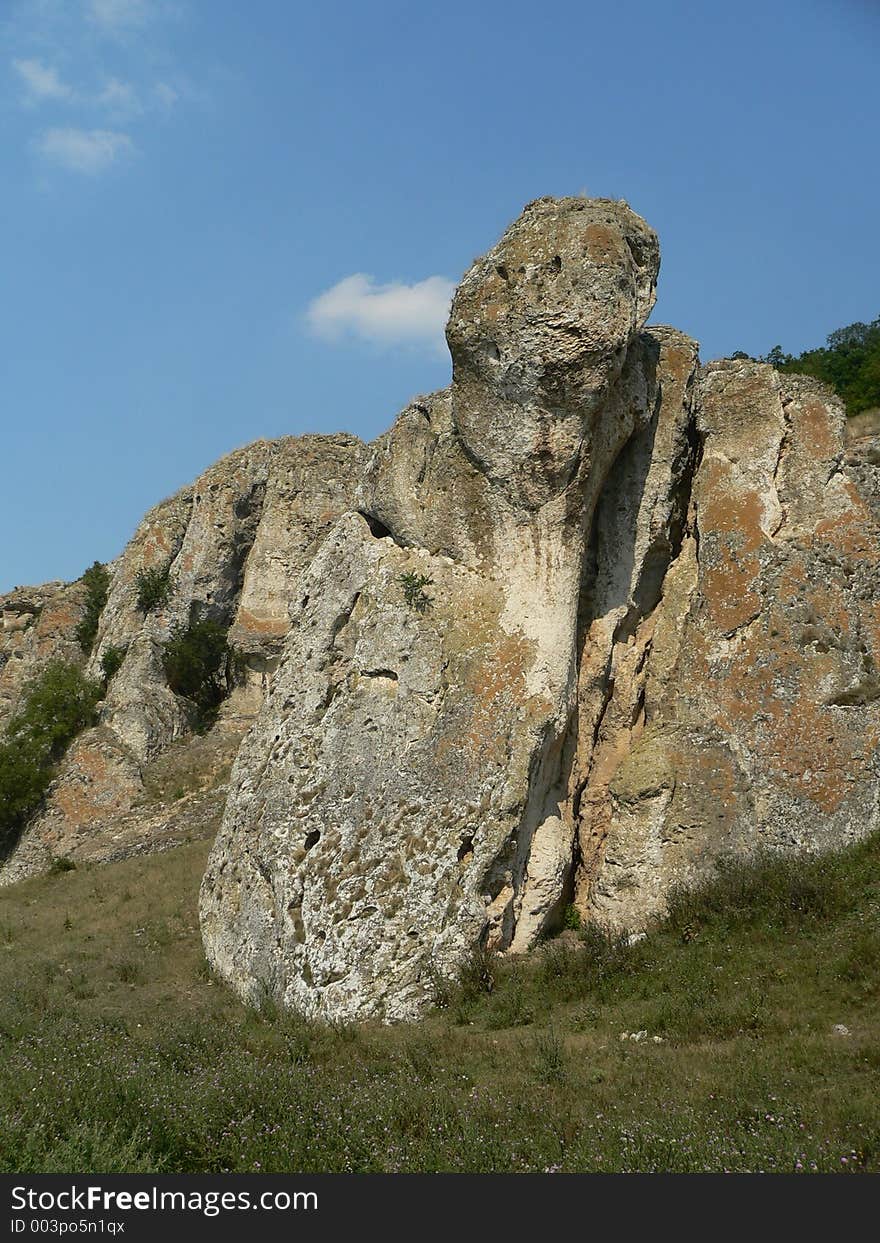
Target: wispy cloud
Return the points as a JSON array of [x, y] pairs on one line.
[[166, 95], [118, 15], [84, 151], [41, 82], [120, 99], [390, 314], [93, 63]]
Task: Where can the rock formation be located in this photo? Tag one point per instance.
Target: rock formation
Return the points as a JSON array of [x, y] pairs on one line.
[[572, 630], [235, 543], [759, 703], [37, 625]]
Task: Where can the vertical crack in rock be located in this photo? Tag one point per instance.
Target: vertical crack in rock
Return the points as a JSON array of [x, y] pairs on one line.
[[755, 643], [640, 527]]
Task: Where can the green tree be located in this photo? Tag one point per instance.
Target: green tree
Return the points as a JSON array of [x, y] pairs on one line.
[[200, 665], [849, 363], [56, 706], [24, 776], [97, 583], [776, 357]]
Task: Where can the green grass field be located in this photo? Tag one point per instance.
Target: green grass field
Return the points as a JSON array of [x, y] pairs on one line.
[[118, 1052]]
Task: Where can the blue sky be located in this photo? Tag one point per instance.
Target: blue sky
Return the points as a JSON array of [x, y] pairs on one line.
[[225, 221]]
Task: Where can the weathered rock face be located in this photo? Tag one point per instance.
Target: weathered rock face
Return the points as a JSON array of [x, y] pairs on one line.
[[243, 532], [311, 483], [37, 625], [760, 715], [538, 332], [235, 542], [570, 631], [640, 529], [398, 744]]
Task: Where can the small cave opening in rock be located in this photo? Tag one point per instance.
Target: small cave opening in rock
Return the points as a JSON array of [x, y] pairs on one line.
[[377, 529]]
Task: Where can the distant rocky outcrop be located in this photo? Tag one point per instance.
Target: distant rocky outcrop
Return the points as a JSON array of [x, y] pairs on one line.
[[234, 543], [37, 625], [572, 630]]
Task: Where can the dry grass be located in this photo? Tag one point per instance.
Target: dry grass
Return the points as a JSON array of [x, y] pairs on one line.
[[119, 1052]]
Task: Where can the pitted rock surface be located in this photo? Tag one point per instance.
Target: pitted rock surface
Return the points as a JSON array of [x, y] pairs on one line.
[[762, 690]]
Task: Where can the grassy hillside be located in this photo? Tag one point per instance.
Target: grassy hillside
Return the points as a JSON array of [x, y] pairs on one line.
[[119, 1052]]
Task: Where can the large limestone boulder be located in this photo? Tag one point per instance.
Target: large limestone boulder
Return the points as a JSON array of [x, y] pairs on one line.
[[403, 795], [573, 629], [645, 637], [373, 808]]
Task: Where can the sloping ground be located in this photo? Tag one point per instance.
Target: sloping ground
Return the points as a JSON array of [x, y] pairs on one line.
[[179, 797], [119, 1052], [865, 424]]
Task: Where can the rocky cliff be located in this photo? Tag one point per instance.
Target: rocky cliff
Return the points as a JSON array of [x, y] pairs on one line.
[[572, 630], [234, 543]]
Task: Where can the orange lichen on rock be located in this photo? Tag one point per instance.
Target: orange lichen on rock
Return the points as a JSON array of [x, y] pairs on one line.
[[261, 625], [602, 243]]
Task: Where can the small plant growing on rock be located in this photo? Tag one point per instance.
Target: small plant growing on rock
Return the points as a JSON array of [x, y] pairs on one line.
[[57, 705], [153, 587], [571, 920], [200, 666], [111, 661], [97, 584], [414, 591], [60, 865]]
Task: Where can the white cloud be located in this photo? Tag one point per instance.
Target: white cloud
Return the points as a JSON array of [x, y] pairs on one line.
[[165, 95], [84, 151], [120, 98], [97, 59], [385, 314], [118, 15], [41, 81]]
